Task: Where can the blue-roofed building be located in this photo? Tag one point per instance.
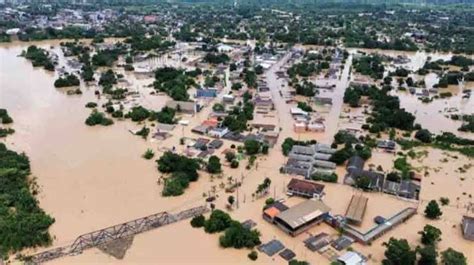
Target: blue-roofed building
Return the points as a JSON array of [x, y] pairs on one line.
[[206, 93]]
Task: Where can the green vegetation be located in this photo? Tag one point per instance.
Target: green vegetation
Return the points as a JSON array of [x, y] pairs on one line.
[[305, 107], [237, 236], [4, 132], [216, 58], [198, 221], [386, 112], [108, 79], [67, 80], [430, 235], [288, 144], [370, 65], [423, 136], [138, 114], [91, 105], [182, 169], [306, 88], [4, 117], [214, 165], [341, 155], [253, 255], [98, 118], [453, 257], [432, 210], [143, 132], [142, 43], [428, 255], [173, 82], [105, 57], [23, 223], [166, 115], [149, 154], [237, 119], [217, 222], [398, 252], [325, 177], [39, 57], [252, 147]]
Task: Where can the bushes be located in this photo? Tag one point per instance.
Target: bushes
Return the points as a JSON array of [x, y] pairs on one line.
[[423, 136], [252, 147], [432, 210], [216, 58], [166, 115], [98, 118], [91, 105], [198, 221], [138, 114], [183, 169], [67, 80], [453, 257], [430, 235], [288, 143], [4, 117], [173, 82], [305, 107], [234, 163], [39, 57], [253, 255], [149, 154], [23, 223], [175, 185], [325, 177], [214, 165], [238, 237], [217, 222]]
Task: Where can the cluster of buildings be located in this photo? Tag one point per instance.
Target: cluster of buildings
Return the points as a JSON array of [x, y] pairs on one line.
[[308, 160], [405, 188]]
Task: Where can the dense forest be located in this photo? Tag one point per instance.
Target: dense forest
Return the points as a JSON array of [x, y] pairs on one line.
[[23, 223]]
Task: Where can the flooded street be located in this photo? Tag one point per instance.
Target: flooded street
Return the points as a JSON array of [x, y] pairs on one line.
[[90, 177], [95, 177]]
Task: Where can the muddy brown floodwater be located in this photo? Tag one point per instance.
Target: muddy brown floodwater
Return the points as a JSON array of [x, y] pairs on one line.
[[94, 177]]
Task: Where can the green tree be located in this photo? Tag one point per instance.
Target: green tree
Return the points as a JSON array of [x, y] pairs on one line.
[[237, 236], [423, 135], [432, 210], [453, 257], [231, 200], [214, 165], [430, 235], [253, 255], [398, 252], [198, 221], [217, 222], [428, 255], [252, 147]]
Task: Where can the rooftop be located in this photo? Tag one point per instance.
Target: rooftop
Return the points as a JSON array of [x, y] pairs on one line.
[[303, 213]]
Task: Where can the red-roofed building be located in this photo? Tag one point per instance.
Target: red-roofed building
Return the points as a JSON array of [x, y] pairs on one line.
[[305, 188]]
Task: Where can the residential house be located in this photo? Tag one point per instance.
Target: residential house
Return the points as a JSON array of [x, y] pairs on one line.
[[305, 188]]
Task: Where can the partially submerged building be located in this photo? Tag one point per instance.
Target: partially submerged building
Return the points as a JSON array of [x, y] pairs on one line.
[[305, 160], [352, 258], [301, 217], [356, 209], [355, 170], [407, 188], [305, 188], [468, 227]]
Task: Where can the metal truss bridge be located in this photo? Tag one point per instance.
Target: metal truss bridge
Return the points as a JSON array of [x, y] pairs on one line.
[[115, 232]]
